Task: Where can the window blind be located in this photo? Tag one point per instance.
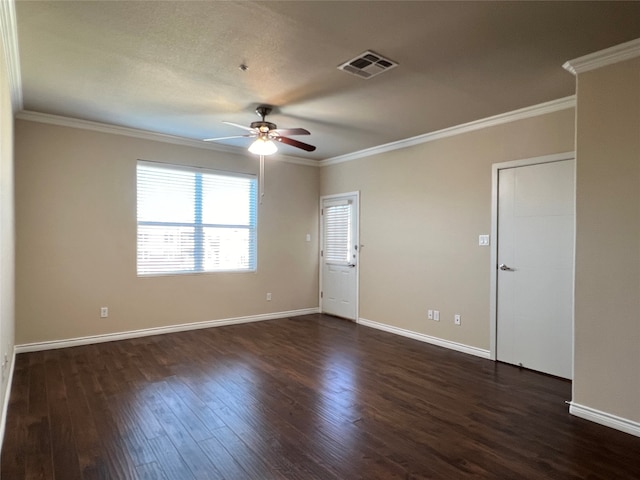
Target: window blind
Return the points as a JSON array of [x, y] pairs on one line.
[[337, 232], [194, 220]]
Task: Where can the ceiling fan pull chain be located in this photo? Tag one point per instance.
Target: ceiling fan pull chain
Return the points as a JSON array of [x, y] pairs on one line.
[[261, 179]]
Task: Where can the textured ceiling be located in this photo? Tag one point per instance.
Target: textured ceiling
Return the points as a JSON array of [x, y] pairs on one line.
[[173, 67]]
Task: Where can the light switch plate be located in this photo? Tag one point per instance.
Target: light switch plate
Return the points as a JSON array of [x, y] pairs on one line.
[[483, 240]]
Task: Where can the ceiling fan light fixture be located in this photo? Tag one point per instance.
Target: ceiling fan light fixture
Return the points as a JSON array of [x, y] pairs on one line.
[[263, 146], [265, 133]]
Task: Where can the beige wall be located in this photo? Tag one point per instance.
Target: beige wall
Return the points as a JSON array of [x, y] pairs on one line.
[[7, 231], [607, 312], [76, 239], [422, 209]]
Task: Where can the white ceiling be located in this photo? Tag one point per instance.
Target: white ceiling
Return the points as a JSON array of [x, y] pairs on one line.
[[173, 67]]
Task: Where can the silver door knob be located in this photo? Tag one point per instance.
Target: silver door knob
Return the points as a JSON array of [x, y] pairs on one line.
[[505, 268]]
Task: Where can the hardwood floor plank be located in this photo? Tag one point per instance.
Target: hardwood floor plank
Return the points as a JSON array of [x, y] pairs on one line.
[[114, 460], [83, 427], [173, 393], [125, 416], [225, 463], [265, 439], [252, 463], [181, 436], [65, 455], [311, 397], [194, 403], [150, 471], [169, 459], [16, 428]]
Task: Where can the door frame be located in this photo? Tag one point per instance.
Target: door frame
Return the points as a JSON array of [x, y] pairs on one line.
[[493, 304], [357, 242]]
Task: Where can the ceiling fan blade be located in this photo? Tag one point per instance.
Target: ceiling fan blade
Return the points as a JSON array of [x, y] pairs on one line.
[[226, 138], [239, 126], [295, 143], [291, 131]]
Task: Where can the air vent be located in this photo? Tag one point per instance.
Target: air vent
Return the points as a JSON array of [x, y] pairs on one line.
[[367, 65]]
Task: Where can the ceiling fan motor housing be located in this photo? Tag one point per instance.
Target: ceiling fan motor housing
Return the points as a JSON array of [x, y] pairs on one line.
[[263, 126]]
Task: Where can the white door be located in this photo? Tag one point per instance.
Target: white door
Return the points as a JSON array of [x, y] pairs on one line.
[[535, 267], [339, 255]]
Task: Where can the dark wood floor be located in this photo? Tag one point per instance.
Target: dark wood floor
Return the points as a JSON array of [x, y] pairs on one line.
[[310, 397]]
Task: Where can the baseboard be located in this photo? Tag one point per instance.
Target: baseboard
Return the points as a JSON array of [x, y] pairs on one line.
[[604, 418], [459, 347], [110, 337], [7, 396]]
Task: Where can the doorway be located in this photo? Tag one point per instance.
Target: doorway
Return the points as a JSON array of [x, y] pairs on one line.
[[533, 264], [339, 255]]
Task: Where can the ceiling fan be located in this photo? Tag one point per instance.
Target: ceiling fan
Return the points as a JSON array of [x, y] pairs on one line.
[[266, 133]]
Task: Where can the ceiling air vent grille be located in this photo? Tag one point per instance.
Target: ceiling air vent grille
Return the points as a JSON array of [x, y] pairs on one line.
[[367, 65]]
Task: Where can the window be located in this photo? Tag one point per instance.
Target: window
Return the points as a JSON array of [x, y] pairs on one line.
[[195, 220], [337, 232]]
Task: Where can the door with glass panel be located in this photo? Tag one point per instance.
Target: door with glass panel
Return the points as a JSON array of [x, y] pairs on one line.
[[339, 255]]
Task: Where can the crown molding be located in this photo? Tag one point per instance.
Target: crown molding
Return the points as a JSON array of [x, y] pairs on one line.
[[602, 58], [523, 113], [148, 135], [10, 44]]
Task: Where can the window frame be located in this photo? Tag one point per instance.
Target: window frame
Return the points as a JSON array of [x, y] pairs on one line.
[[198, 225]]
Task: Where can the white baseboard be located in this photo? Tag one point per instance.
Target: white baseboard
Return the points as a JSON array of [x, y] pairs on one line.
[[604, 418], [7, 396], [110, 337], [460, 347]]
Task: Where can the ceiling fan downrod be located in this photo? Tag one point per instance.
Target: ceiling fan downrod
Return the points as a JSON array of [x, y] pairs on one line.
[[262, 125], [263, 111]]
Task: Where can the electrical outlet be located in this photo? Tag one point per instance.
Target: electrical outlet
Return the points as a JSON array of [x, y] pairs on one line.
[[104, 312], [456, 319], [430, 314], [436, 315], [268, 297]]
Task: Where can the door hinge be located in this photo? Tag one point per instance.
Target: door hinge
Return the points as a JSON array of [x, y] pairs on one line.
[[321, 294], [322, 253]]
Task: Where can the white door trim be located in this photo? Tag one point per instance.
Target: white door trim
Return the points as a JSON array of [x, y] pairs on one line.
[[495, 169], [357, 240]]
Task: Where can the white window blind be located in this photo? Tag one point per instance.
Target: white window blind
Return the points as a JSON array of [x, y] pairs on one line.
[[194, 220], [337, 233]]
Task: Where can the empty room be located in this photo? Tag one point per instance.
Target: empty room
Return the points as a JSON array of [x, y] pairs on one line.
[[319, 240]]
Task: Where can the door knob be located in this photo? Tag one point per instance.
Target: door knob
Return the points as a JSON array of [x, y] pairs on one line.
[[505, 268]]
